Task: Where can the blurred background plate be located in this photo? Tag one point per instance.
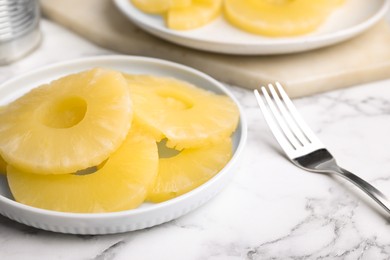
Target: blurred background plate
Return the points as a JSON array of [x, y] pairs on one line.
[[351, 19]]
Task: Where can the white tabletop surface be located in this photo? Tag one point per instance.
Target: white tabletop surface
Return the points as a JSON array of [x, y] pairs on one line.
[[271, 209]]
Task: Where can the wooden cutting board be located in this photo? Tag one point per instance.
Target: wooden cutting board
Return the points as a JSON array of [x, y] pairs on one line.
[[362, 59]]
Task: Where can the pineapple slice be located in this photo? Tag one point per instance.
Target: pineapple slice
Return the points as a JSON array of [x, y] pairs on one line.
[[186, 115], [70, 124], [189, 169], [159, 6], [200, 13], [180, 3], [121, 183], [278, 17]]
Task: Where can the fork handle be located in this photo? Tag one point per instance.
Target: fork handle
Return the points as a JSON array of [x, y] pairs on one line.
[[370, 190]]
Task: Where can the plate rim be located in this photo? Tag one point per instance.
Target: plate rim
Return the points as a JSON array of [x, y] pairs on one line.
[[254, 48], [242, 127]]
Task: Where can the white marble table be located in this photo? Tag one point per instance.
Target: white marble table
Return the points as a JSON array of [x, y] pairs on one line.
[[270, 210]]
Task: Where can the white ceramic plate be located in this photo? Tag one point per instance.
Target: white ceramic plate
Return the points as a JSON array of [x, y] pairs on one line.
[[354, 17], [148, 214]]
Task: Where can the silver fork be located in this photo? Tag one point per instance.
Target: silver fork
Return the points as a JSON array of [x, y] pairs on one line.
[[301, 145]]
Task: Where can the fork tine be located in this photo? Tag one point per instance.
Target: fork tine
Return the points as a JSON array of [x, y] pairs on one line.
[[296, 116], [279, 119], [287, 116], [273, 125]]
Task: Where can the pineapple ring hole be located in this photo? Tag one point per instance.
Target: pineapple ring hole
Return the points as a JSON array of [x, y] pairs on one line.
[[175, 100], [64, 112], [164, 151]]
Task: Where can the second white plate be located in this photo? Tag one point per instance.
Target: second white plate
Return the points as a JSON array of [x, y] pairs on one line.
[[353, 18]]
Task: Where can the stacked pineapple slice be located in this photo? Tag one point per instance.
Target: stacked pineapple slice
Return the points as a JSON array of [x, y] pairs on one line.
[[89, 142], [182, 14], [198, 13], [121, 183], [160, 6], [195, 123], [264, 17], [44, 130], [278, 17], [189, 169], [179, 109]]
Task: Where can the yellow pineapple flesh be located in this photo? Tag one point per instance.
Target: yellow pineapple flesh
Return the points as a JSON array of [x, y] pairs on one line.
[[121, 183], [199, 13], [180, 3], [278, 17], [189, 169], [186, 115], [159, 6], [72, 123]]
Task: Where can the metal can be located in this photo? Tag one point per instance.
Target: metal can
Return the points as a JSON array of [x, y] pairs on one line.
[[19, 29]]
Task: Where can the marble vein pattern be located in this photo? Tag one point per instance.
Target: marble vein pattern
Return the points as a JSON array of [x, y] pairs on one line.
[[270, 210]]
